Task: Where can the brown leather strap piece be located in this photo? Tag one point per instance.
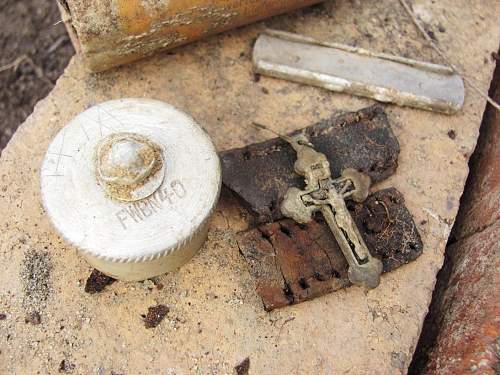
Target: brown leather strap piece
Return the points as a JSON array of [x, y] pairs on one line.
[[261, 173], [293, 263]]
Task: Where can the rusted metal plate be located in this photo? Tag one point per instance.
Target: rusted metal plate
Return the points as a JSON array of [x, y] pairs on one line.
[[260, 174], [292, 263]]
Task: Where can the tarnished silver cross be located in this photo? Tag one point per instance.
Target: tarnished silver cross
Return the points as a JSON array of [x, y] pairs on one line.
[[327, 195]]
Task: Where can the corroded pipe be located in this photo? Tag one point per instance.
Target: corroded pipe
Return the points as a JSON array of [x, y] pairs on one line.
[[113, 32]]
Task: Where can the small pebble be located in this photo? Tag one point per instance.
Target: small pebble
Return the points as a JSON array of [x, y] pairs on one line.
[[33, 318], [66, 366], [97, 282], [155, 315], [243, 367]]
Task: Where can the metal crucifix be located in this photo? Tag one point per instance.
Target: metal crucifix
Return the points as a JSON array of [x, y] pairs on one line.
[[327, 195]]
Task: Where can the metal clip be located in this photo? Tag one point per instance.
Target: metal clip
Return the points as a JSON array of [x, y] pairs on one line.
[[327, 195]]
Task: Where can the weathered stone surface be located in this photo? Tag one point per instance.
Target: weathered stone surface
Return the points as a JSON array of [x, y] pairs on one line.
[[260, 174], [214, 306], [469, 336], [293, 263], [462, 329], [481, 201]]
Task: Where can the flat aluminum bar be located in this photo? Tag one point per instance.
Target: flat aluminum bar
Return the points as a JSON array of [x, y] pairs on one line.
[[357, 71]]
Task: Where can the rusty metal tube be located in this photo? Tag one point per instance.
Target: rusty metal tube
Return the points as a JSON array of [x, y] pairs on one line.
[[113, 32]]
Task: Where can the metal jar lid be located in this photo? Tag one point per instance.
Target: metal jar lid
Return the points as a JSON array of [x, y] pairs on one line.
[[131, 183]]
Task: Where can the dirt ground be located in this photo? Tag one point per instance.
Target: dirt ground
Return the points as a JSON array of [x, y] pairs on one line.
[[29, 30]]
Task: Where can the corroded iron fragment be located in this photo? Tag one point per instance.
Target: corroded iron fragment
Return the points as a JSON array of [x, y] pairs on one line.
[[293, 263], [109, 33], [260, 174]]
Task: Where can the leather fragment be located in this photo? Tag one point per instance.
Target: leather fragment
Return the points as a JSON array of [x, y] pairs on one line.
[[292, 263], [261, 173]]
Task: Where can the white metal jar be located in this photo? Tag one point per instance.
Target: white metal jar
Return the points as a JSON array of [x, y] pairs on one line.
[[131, 183]]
